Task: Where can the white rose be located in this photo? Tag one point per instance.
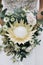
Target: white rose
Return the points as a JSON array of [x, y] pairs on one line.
[[31, 18]]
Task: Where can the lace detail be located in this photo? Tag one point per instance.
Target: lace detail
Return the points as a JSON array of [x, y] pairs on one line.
[[11, 4]]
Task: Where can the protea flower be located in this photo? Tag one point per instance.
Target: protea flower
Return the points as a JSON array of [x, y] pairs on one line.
[[20, 32]]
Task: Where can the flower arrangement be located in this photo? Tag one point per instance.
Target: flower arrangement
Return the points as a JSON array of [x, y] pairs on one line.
[[20, 31]]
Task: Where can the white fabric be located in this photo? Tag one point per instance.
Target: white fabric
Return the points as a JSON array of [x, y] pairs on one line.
[[35, 57]]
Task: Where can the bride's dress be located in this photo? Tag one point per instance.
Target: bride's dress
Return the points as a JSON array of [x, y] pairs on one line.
[[11, 4], [35, 57]]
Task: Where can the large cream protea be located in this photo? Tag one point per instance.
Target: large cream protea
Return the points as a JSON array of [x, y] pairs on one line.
[[20, 32]]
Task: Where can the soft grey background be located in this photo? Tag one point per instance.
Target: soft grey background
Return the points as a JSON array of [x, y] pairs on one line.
[[35, 57]]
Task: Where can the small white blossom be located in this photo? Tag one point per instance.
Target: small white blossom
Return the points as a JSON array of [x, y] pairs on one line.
[[6, 19], [29, 49], [5, 28], [32, 42], [12, 19], [0, 28]]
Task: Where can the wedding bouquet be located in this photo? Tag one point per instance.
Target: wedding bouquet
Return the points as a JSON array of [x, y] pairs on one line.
[[20, 31]]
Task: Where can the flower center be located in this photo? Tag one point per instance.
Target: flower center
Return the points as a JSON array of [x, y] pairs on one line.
[[20, 31]]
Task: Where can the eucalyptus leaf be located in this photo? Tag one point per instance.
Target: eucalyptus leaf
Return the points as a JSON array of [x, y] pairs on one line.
[[2, 14]]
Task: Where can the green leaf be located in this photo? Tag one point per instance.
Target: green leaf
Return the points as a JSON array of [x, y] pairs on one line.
[[4, 11], [23, 56], [26, 44], [2, 14], [36, 33]]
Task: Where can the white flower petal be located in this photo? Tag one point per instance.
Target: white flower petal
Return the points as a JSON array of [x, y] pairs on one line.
[[6, 19]]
